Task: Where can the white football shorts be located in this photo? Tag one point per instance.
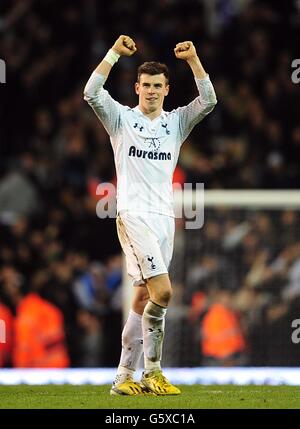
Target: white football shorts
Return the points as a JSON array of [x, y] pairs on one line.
[[147, 240]]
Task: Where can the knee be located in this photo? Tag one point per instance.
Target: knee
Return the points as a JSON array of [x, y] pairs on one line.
[[126, 338], [160, 289], [163, 297], [167, 295]]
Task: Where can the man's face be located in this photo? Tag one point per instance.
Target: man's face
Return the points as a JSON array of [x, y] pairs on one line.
[[151, 91]]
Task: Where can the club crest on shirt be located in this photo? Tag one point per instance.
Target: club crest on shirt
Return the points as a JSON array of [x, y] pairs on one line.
[[153, 144], [165, 126], [150, 259]]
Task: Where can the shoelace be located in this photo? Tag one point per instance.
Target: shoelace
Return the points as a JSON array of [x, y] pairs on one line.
[[162, 378], [122, 378]]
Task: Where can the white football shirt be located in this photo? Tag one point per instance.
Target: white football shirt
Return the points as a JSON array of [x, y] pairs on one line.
[[146, 151]]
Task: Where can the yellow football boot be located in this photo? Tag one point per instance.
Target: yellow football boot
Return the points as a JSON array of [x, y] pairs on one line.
[[158, 384], [129, 387]]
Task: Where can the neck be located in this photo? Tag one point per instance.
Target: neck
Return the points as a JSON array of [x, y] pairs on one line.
[[151, 115]]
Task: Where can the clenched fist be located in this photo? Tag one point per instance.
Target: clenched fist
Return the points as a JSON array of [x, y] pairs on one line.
[[185, 51], [124, 45]]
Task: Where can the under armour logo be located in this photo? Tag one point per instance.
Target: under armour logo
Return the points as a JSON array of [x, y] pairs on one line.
[[153, 266], [136, 125], [166, 128]]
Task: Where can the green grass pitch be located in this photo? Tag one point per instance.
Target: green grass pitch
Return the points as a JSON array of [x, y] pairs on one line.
[[195, 396]]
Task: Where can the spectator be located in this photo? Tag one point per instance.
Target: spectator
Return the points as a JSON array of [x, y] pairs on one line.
[[6, 336], [223, 343], [54, 156], [39, 335]]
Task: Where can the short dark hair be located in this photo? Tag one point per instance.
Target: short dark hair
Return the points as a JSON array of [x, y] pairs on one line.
[[152, 68]]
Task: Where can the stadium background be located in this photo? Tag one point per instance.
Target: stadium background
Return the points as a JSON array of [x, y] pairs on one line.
[[243, 265]]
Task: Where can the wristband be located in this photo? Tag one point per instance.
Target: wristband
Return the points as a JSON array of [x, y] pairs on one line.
[[111, 57]]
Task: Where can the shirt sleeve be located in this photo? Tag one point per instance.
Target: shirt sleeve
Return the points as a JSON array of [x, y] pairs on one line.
[[195, 111], [106, 108]]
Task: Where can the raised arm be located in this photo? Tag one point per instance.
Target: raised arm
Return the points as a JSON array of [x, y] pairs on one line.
[[124, 45], [187, 51], [195, 111], [105, 107]]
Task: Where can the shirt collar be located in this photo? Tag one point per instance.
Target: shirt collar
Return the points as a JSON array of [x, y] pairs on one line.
[[161, 116]]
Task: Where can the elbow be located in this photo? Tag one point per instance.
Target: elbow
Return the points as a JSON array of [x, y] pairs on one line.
[[213, 103], [209, 107], [89, 93], [87, 96]]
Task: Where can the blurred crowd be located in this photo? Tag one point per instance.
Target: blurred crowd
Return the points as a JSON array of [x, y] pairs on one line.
[[54, 152], [252, 140], [242, 286]]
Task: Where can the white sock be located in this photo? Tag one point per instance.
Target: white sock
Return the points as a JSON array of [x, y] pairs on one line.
[[153, 323], [122, 375], [132, 345]]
